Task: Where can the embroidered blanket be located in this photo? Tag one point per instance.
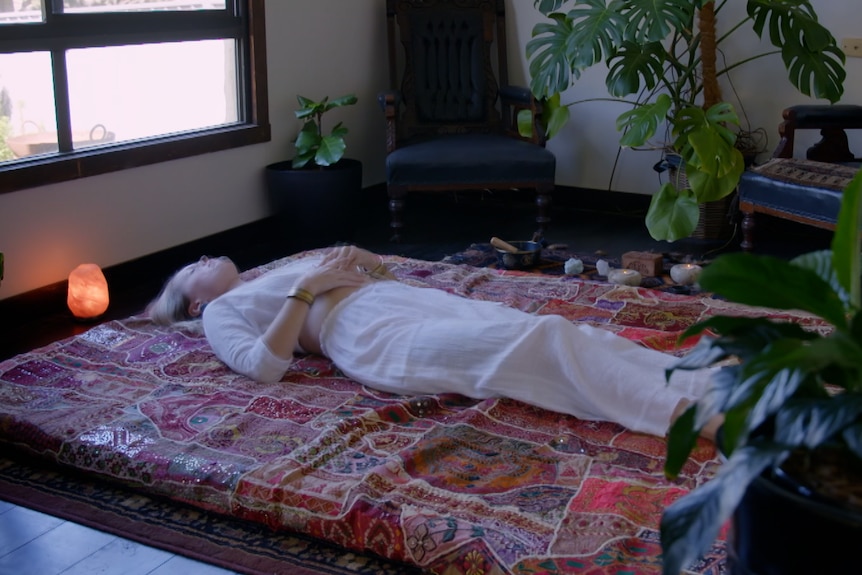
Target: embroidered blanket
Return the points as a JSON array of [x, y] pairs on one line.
[[456, 486]]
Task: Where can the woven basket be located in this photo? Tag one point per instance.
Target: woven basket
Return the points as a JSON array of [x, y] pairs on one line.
[[714, 222]]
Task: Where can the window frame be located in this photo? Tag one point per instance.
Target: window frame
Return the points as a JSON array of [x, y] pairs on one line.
[[243, 20]]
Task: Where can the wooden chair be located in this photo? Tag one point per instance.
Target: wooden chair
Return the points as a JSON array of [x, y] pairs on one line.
[[450, 113], [807, 190]]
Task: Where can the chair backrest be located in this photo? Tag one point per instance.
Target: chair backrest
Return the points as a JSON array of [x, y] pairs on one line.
[[833, 121], [448, 59]]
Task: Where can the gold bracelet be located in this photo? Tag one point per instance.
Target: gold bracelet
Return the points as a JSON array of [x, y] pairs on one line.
[[380, 270], [301, 294]]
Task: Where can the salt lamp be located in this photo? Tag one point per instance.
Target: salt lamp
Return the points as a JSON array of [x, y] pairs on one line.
[[88, 291]]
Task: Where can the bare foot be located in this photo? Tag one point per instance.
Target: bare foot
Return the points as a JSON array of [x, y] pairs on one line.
[[709, 430]]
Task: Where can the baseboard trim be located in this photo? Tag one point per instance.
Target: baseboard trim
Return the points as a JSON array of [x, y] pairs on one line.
[[587, 199]]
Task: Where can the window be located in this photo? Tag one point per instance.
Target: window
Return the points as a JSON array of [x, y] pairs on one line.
[[94, 86]]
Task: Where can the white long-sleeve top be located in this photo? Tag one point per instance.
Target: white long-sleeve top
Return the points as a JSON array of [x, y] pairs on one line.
[[235, 321], [402, 339]]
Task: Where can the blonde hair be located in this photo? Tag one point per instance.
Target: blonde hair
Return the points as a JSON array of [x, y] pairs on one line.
[[171, 306]]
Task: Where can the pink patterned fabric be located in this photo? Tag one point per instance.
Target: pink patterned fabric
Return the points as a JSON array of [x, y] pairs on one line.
[[456, 486]]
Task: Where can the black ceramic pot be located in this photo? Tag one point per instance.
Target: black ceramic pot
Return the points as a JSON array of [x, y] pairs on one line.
[[315, 207], [782, 528]]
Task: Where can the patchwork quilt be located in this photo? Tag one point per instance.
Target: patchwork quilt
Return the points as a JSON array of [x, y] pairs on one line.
[[454, 485]]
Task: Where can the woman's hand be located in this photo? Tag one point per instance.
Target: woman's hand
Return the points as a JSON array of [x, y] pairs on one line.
[[353, 257], [283, 334], [331, 273]]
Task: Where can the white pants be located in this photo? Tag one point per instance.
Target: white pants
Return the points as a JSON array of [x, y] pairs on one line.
[[408, 340]]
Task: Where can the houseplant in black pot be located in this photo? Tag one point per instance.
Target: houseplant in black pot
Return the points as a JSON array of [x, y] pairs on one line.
[[663, 65], [792, 404], [317, 193]]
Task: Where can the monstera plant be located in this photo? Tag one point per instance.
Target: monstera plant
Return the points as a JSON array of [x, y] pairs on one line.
[[790, 397], [661, 58]]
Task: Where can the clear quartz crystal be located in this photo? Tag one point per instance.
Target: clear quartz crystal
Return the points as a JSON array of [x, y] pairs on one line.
[[603, 267]]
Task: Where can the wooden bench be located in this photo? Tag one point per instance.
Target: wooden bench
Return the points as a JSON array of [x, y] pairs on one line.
[[806, 190]]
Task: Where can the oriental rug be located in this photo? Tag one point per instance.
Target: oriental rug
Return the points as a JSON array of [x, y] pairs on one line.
[[241, 546]]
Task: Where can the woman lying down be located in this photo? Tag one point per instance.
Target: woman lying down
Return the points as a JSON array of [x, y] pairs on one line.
[[348, 307]]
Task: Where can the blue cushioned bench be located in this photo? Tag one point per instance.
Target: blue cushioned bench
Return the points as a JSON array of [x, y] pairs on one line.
[[807, 190]]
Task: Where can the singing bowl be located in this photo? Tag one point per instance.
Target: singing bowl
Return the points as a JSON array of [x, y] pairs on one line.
[[526, 257]]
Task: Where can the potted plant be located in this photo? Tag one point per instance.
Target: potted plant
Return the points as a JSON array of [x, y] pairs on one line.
[[792, 404], [662, 56], [316, 194]]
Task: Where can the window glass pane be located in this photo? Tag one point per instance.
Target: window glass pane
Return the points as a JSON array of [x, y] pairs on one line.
[[78, 6], [172, 92], [28, 124], [125, 93], [20, 11]]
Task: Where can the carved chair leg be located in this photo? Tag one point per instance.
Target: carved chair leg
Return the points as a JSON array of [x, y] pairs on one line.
[[747, 244], [396, 210], [543, 204]]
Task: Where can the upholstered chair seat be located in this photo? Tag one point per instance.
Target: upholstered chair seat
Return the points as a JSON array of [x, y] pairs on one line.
[[470, 159]]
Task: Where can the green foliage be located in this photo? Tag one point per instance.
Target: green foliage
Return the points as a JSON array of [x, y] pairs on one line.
[[5, 131], [652, 50], [674, 211], [312, 145], [781, 377]]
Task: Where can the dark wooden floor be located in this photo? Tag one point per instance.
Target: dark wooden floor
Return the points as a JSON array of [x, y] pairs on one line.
[[437, 225]]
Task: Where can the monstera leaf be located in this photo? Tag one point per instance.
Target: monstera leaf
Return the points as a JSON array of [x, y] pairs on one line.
[[634, 64], [673, 214], [561, 48], [814, 63], [640, 124]]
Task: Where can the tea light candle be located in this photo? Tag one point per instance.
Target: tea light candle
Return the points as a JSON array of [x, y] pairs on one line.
[[685, 274], [624, 277]]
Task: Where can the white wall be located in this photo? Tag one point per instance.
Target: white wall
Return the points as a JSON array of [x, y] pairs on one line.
[[317, 48]]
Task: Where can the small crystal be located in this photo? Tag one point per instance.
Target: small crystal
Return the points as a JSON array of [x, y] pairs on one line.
[[603, 267], [573, 266]]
